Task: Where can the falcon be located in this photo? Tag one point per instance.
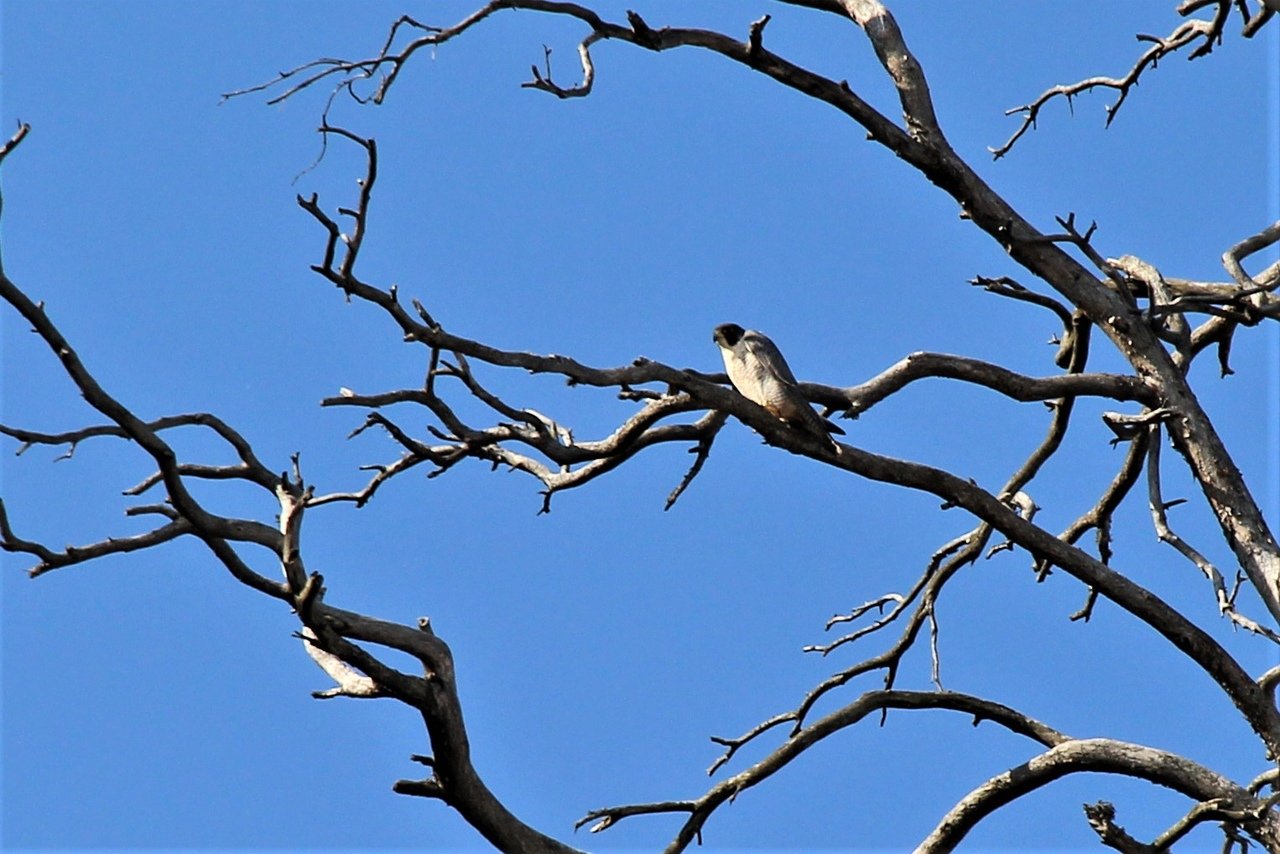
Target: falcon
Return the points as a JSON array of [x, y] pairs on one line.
[[760, 374]]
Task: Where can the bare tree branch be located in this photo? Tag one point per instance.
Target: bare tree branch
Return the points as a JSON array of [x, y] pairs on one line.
[[1101, 817], [1159, 516], [1106, 756], [1207, 32], [800, 740], [1234, 257], [703, 393], [1018, 387], [1100, 515], [73, 555], [674, 404], [924, 147], [350, 682], [332, 631]]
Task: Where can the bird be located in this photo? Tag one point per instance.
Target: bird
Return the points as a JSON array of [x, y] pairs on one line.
[[760, 374]]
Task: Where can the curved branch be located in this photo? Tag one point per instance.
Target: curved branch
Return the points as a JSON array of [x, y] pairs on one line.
[[748, 53], [1017, 386], [1073, 323], [1232, 259], [434, 695], [455, 779], [72, 555], [544, 83], [701, 809], [1095, 755]]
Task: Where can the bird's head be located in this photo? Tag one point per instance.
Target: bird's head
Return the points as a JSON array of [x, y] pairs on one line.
[[728, 334]]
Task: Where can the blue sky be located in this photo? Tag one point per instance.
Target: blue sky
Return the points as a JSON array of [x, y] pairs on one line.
[[150, 701]]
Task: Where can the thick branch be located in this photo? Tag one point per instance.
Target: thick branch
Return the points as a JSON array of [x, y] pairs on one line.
[[1017, 386], [1094, 755], [456, 780]]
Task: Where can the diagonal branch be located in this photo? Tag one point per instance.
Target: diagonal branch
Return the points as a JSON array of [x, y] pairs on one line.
[[1167, 621], [1100, 516], [1160, 520], [1218, 809], [1207, 32], [991, 509]]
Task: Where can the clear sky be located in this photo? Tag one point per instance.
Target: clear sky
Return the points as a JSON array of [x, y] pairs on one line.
[[151, 701]]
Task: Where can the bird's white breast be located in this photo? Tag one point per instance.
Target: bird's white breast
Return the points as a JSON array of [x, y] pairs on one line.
[[754, 380]]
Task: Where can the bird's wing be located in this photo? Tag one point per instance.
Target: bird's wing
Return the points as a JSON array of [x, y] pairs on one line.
[[760, 348], [797, 410]]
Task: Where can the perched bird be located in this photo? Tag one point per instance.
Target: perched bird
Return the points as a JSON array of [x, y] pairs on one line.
[[760, 374]]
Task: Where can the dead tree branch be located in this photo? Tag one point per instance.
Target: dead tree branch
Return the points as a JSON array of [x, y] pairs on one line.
[[1160, 519], [1208, 32], [801, 739], [685, 405], [704, 391], [1106, 756], [921, 143], [332, 634]]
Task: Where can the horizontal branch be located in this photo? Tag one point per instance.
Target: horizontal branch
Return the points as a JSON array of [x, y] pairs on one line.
[[1020, 387], [72, 555], [251, 467]]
